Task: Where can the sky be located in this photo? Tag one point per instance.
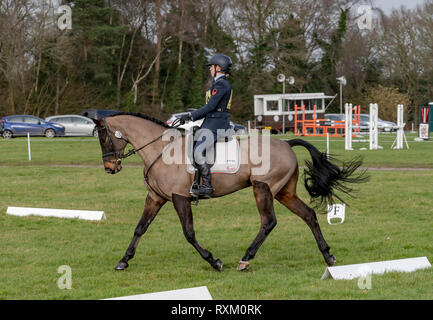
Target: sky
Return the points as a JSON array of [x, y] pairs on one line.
[[388, 5]]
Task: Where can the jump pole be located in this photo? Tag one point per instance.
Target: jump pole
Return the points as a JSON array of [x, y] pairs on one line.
[[348, 127], [327, 145], [28, 146]]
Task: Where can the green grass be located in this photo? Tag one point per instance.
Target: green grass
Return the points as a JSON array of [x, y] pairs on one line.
[[389, 219], [86, 151]]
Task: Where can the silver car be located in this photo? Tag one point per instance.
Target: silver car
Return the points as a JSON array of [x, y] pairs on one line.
[[382, 125], [75, 125]]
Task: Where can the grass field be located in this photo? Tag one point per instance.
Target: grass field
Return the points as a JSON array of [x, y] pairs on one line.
[[391, 218]]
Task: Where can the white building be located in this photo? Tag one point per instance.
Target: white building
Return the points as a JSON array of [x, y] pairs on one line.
[[276, 111]]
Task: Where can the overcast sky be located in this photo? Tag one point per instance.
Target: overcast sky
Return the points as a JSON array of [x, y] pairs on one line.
[[388, 5]]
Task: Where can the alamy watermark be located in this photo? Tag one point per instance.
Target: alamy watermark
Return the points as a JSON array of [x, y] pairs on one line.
[[64, 22], [364, 281], [365, 19], [65, 280]]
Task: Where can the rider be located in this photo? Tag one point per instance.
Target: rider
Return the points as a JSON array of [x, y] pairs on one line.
[[217, 116]]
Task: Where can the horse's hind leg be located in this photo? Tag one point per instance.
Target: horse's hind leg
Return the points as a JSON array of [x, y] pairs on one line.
[[153, 204], [265, 204], [183, 207], [287, 196]]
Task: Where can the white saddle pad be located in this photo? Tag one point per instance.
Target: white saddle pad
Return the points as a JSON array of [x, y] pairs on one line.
[[227, 158]]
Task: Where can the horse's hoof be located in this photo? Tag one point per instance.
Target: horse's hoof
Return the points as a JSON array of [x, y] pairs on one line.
[[121, 265], [218, 265], [331, 260], [243, 265]]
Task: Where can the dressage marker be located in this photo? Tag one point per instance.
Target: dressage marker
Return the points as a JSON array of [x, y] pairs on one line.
[[58, 213], [197, 293], [336, 212], [353, 271]]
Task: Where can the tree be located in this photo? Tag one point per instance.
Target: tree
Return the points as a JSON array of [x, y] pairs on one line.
[[96, 28], [324, 77], [387, 98], [402, 53]]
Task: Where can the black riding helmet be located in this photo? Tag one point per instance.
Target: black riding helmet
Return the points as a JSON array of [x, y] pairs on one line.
[[221, 60]]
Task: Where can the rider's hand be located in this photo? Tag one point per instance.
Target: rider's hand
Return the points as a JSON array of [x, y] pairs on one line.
[[184, 118]]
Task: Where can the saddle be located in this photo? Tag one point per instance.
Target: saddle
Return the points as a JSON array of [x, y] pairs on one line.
[[227, 159]]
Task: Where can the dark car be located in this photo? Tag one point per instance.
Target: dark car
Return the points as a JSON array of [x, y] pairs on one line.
[[335, 119], [20, 125], [96, 113]]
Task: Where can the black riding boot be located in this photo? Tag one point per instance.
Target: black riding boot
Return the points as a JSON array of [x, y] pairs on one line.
[[196, 183], [206, 188]]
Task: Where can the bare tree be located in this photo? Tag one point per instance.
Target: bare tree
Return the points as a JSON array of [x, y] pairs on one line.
[[134, 15], [402, 52]]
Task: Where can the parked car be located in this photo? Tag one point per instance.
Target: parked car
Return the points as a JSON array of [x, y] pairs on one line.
[[382, 125], [364, 122], [20, 125], [334, 119], [238, 128], [96, 113], [75, 125]]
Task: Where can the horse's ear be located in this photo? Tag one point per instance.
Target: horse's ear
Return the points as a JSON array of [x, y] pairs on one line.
[[98, 121]]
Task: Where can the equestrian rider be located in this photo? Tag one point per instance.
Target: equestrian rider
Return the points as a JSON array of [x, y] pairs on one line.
[[216, 114]]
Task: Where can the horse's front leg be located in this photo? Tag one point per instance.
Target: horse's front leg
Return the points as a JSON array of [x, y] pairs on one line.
[[153, 204], [183, 207]]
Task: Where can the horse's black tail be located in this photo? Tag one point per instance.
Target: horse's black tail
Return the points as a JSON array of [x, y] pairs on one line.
[[322, 178]]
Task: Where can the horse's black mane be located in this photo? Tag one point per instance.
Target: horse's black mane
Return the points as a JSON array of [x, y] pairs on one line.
[[143, 116]]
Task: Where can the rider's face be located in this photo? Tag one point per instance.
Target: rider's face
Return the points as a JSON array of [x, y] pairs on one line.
[[214, 70]]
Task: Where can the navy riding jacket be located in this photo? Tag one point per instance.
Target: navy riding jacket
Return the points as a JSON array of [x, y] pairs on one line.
[[216, 112]]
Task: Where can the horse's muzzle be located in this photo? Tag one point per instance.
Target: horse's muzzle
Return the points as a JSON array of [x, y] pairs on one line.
[[113, 166]]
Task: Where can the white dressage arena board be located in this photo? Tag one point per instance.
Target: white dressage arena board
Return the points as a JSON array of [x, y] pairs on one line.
[[354, 271], [58, 213], [197, 293]]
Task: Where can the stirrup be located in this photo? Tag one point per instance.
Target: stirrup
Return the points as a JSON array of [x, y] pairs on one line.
[[193, 192], [202, 193], [194, 189], [194, 199]]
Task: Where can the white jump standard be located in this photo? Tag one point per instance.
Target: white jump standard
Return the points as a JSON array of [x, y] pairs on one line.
[[374, 133], [398, 142]]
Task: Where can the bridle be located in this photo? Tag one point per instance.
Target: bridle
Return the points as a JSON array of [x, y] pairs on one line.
[[119, 156], [113, 152]]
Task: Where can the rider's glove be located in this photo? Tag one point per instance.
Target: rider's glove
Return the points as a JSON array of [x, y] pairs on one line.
[[185, 117]]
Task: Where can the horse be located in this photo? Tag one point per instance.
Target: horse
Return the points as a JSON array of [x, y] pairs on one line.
[[171, 182]]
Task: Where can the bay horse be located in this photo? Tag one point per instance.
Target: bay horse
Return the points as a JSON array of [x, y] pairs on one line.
[[171, 182]]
